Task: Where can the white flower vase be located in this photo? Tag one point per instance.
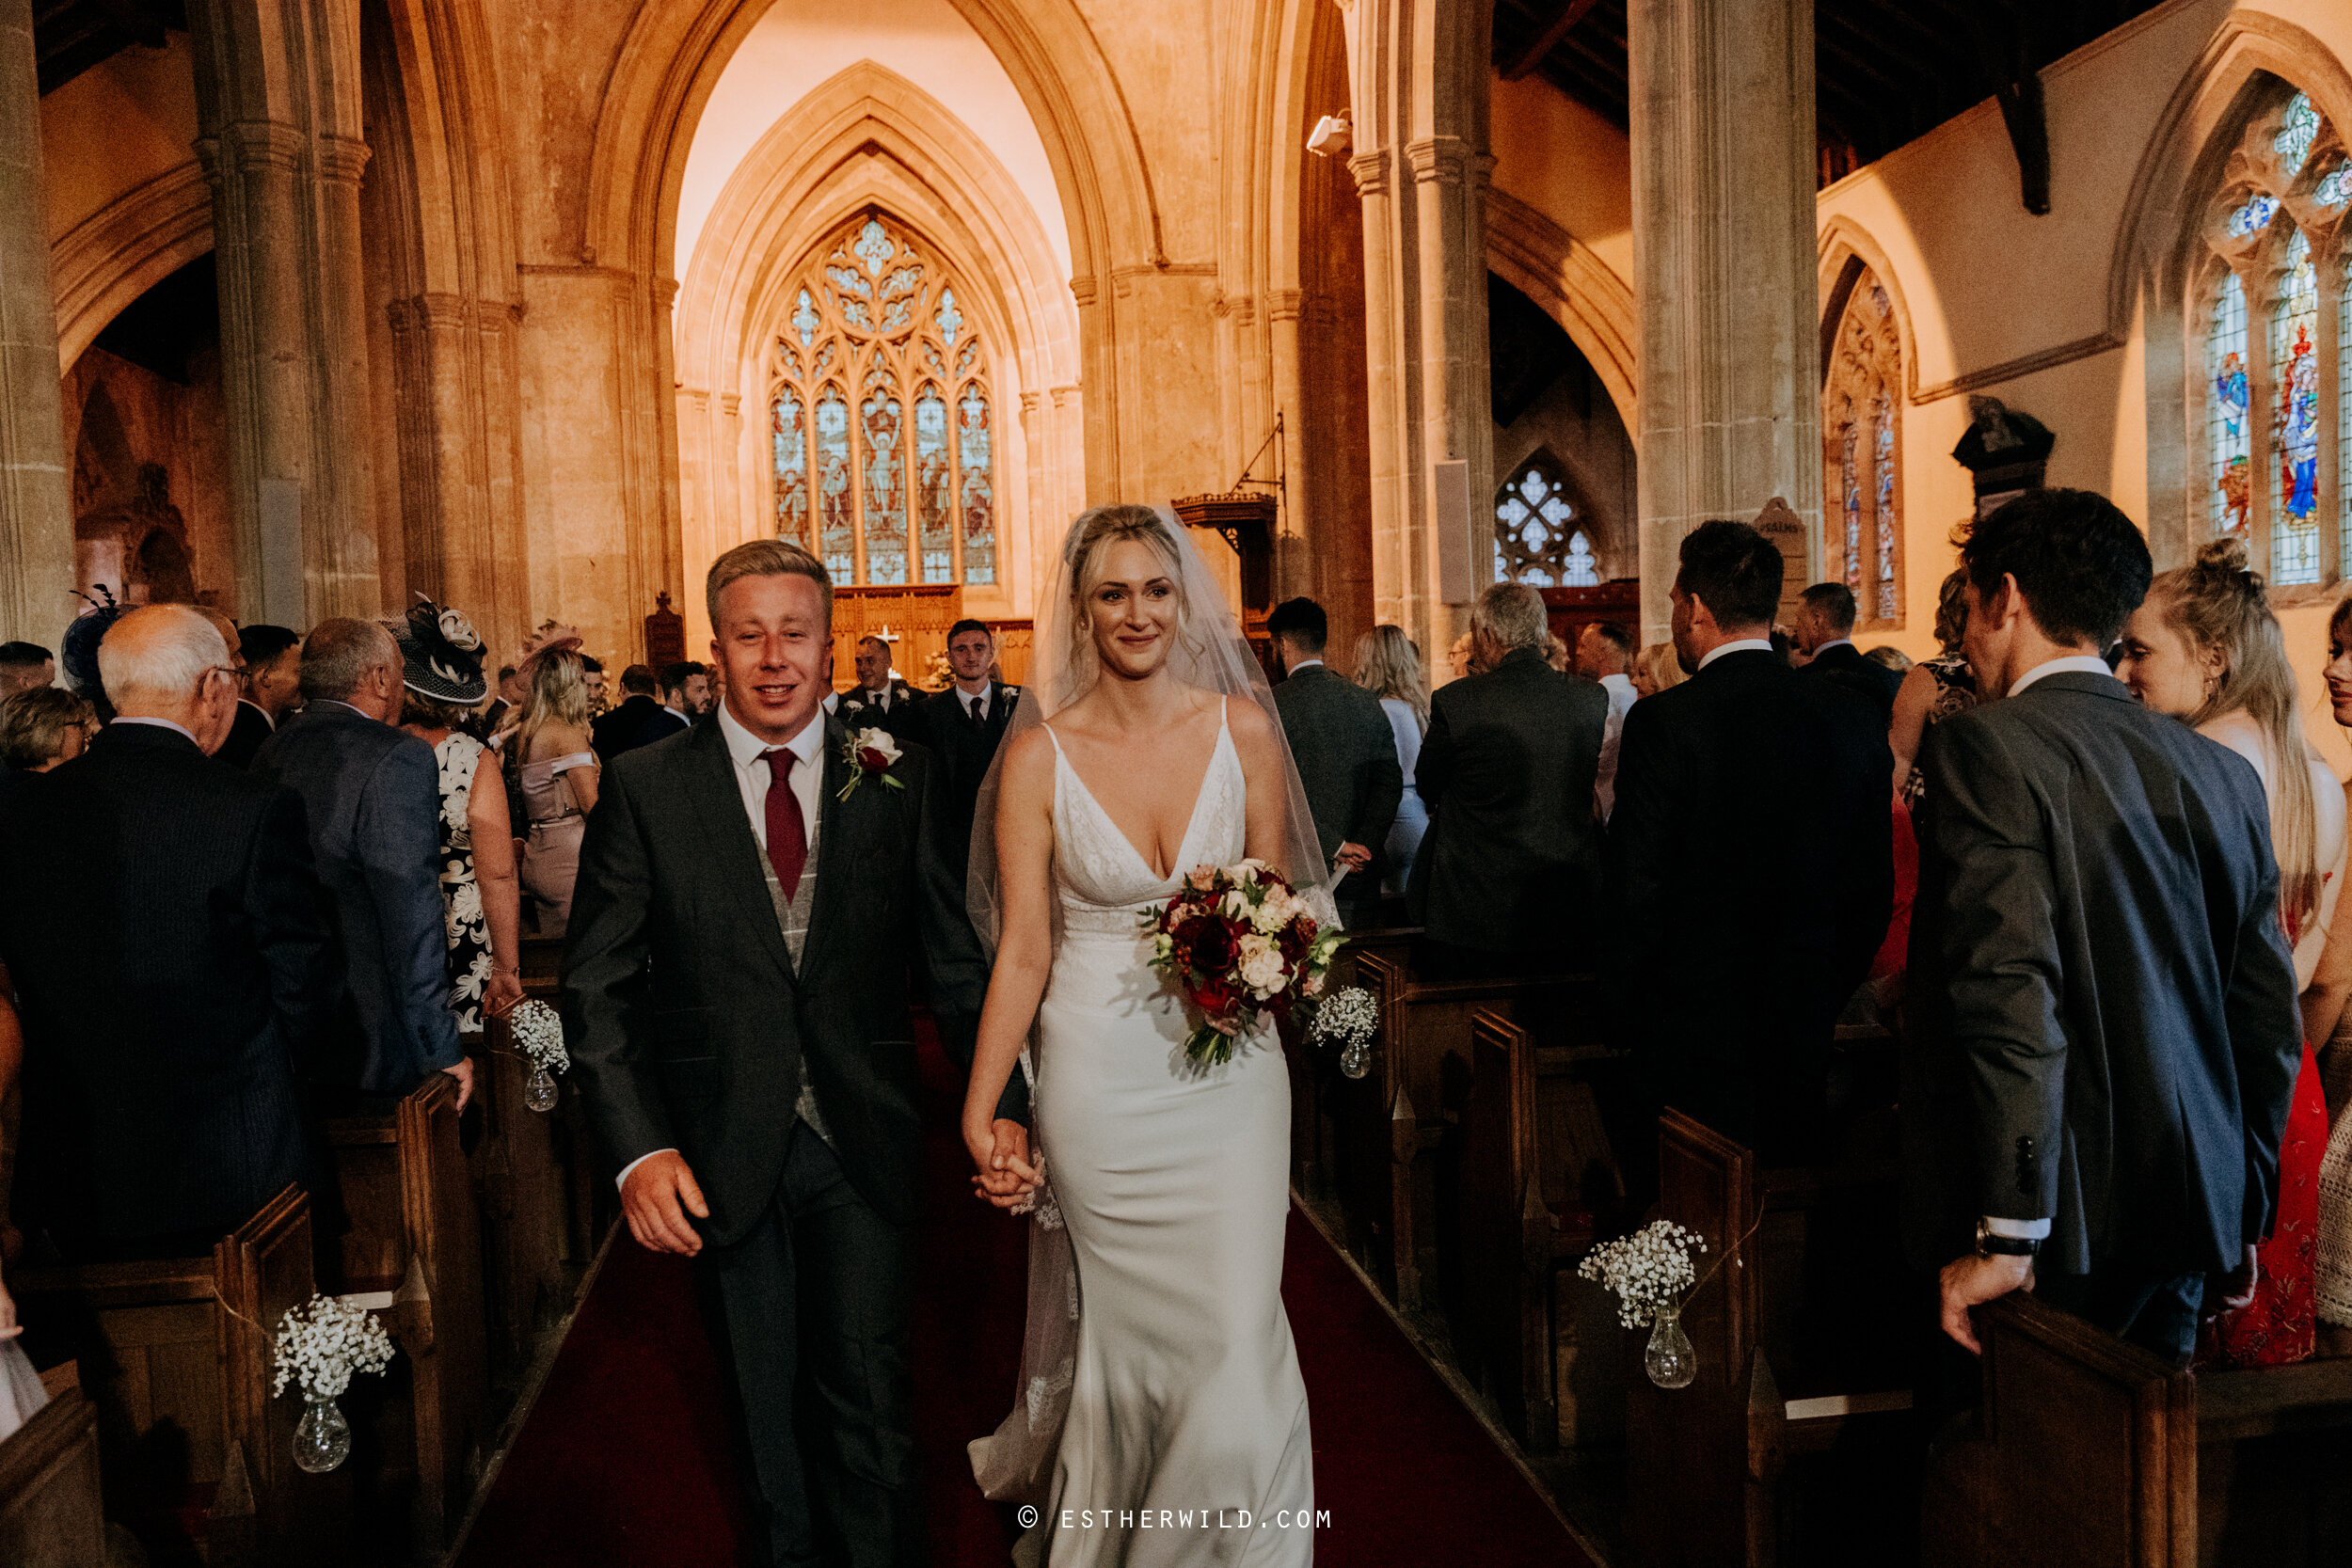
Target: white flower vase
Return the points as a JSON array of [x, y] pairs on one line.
[[1671, 1361], [540, 1092], [1355, 1060], [322, 1438]]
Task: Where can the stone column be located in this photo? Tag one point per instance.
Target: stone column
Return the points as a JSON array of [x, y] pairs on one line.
[[36, 505], [1723, 230], [278, 107]]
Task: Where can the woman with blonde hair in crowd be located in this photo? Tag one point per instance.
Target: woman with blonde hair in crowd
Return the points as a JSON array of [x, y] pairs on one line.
[[559, 771], [1656, 668], [1388, 665], [2205, 648], [1934, 689]]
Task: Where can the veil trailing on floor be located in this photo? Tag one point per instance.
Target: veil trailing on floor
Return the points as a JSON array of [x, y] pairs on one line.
[[1016, 1465]]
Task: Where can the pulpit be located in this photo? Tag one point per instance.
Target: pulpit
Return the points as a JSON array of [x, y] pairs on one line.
[[1245, 519]]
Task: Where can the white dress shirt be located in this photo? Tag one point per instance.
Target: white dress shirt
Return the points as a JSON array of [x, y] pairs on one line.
[[1739, 645], [748, 753], [2071, 664], [1621, 696], [974, 703]]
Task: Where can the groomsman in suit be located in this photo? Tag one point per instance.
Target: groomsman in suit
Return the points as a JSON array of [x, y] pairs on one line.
[[1750, 864], [2104, 1038], [1826, 636], [1347, 758], [162, 924], [272, 657], [880, 698], [964, 724], [751, 901], [640, 720]]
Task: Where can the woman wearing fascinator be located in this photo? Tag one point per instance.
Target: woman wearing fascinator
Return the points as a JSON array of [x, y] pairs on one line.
[[1149, 748]]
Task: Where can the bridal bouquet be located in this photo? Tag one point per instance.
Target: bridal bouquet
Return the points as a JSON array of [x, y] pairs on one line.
[[1241, 943]]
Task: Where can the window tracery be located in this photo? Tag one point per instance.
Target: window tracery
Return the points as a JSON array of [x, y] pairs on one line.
[[1862, 447], [1537, 539]]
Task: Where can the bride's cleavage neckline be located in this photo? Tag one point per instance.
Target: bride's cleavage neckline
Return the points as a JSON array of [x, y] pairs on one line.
[[1200, 796]]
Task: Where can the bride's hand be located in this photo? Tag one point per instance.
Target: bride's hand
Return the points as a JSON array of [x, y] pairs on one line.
[[1000, 1153]]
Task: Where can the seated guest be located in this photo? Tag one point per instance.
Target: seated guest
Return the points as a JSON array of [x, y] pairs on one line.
[[558, 774], [25, 667], [1656, 668], [272, 657], [1604, 653], [41, 727], [880, 698], [370, 800], [686, 690], [1749, 867], [162, 924], [1388, 666], [1824, 633], [640, 720], [964, 724], [2102, 1040], [2204, 647], [1506, 877], [1347, 756], [441, 673]]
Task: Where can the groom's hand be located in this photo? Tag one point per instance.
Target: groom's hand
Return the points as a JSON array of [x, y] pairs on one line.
[[1002, 1153], [650, 1199]]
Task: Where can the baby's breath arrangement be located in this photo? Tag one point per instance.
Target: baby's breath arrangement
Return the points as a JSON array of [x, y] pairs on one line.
[[539, 1035], [1347, 1019], [322, 1343], [1647, 1270]]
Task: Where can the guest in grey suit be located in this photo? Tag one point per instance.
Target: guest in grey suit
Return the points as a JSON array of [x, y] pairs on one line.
[[2105, 1037], [1506, 879], [373, 799], [1347, 756]]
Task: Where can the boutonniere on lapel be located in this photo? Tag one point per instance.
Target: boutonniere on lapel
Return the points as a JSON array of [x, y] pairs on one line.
[[868, 751]]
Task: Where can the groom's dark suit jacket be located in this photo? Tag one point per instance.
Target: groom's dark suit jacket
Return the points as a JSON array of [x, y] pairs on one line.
[[688, 1016], [2102, 1028]]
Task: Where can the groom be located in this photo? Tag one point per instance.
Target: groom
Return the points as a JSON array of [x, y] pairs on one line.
[[750, 900]]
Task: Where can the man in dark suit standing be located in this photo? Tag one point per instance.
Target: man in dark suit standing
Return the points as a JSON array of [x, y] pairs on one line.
[[371, 794], [2104, 1037], [751, 899], [1751, 870], [1347, 758], [964, 724], [161, 921], [640, 720], [1507, 876], [1825, 634], [880, 700], [270, 657]]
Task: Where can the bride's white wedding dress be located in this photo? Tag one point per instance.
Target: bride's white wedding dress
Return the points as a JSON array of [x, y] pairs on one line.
[[1185, 1398]]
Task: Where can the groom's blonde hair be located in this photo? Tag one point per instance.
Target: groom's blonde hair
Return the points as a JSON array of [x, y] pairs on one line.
[[765, 558]]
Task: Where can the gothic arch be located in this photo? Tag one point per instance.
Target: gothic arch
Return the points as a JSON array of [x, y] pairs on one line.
[[2159, 245], [867, 138], [127, 247], [1575, 288], [1847, 249]]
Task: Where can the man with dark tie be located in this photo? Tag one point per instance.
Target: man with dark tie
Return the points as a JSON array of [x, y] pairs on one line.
[[880, 699], [965, 723]]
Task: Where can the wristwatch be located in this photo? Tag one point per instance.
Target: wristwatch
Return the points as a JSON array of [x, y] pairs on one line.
[[1989, 1246]]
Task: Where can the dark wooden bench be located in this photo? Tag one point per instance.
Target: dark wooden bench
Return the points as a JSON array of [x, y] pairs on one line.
[[1802, 1358], [591, 1203], [174, 1356], [1317, 1090], [2090, 1452], [521, 1185], [413, 1231], [1399, 1119], [52, 1511], [1538, 1176]]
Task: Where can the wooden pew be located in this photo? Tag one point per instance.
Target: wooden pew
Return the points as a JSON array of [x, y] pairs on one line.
[[1318, 1088], [408, 1197], [591, 1202], [1399, 1119], [521, 1183], [2090, 1452], [175, 1358], [1800, 1358], [52, 1511], [1537, 1178]]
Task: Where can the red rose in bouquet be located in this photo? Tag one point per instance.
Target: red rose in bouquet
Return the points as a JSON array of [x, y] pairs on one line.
[[1241, 944]]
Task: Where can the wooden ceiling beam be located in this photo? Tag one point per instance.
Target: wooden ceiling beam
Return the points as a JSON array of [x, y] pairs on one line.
[[1532, 55]]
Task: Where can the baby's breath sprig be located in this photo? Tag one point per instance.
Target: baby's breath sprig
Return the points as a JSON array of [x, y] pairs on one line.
[[1647, 1270], [321, 1343]]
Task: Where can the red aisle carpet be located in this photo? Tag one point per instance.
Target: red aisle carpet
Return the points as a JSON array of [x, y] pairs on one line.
[[626, 1461]]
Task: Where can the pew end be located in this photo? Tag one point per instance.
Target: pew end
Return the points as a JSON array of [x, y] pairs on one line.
[[52, 1505]]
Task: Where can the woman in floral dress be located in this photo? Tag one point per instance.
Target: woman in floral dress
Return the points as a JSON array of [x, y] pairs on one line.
[[441, 660]]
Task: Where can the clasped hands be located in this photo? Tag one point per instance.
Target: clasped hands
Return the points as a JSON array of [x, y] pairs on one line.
[[1000, 1150]]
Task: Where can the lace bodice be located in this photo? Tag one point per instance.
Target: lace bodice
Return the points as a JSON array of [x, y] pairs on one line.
[[1102, 882]]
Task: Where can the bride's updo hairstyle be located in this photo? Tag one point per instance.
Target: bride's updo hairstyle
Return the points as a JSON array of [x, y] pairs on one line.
[[1091, 537]]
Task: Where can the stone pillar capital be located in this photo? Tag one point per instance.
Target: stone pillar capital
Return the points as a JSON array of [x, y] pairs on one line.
[[1284, 305], [255, 144], [1029, 403], [731, 404], [1444, 161], [1083, 290], [664, 292], [1371, 170], [341, 159]]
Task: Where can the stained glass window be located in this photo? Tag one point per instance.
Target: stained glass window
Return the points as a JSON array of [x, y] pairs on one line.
[[2297, 133], [1533, 540], [1861, 453], [1579, 570], [874, 482], [2336, 189], [2253, 217], [2225, 419], [2295, 421]]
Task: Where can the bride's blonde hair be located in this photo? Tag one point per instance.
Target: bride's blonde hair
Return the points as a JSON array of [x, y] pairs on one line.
[[1091, 536]]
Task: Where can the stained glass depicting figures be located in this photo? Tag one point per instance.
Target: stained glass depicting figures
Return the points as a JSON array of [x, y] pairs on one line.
[[837, 503], [2226, 398], [787, 420], [2295, 419], [974, 445], [885, 495], [1882, 444], [934, 506]]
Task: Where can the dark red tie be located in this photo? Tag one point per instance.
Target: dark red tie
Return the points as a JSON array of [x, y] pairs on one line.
[[788, 833]]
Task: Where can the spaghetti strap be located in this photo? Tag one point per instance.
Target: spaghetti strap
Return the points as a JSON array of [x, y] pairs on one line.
[[1052, 737]]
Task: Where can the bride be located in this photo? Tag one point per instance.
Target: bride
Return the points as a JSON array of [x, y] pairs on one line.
[[1160, 1380]]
